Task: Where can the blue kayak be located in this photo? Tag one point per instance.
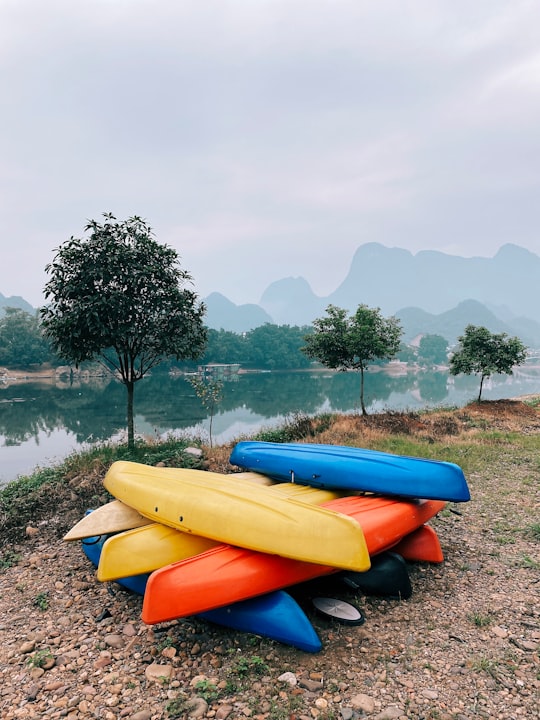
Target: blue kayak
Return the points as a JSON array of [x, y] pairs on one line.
[[354, 469], [276, 615]]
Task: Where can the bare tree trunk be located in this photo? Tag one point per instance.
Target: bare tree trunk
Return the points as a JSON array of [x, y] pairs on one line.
[[131, 433], [481, 383], [364, 411]]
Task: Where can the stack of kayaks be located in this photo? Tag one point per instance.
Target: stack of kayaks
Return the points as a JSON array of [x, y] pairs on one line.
[[224, 547]]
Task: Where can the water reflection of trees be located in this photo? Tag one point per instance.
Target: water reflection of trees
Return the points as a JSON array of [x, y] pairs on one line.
[[271, 394], [85, 410], [25, 411], [432, 386], [95, 411], [344, 388]]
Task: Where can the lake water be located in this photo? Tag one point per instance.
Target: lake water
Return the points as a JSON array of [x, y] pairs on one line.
[[41, 423]]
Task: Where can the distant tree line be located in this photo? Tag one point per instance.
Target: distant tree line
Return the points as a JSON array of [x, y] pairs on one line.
[[22, 341], [23, 345], [268, 347]]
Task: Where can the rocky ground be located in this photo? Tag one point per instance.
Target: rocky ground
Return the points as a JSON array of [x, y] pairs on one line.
[[465, 645]]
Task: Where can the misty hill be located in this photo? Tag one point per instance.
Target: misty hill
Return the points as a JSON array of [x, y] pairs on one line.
[[15, 302], [222, 314], [430, 292], [291, 301], [393, 278], [451, 324]]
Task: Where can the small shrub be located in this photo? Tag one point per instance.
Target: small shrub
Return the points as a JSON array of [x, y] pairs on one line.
[[39, 658], [180, 707], [41, 601], [296, 427], [484, 664], [165, 642], [207, 690], [481, 619], [9, 559], [255, 665]]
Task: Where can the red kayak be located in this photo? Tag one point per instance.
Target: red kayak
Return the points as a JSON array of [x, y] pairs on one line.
[[227, 574]]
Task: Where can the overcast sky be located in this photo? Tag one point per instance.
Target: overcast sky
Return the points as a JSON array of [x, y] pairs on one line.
[[268, 138]]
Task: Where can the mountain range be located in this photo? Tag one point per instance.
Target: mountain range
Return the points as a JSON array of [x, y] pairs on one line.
[[430, 292]]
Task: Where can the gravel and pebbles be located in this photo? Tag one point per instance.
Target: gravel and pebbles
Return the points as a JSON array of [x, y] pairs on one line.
[[465, 645]]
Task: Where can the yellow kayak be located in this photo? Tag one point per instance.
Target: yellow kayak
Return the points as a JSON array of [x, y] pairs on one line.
[[153, 546], [116, 516], [229, 510]]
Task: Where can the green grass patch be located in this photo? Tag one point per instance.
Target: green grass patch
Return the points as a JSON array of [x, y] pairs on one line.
[[529, 563], [533, 531], [41, 601], [481, 619], [244, 666], [79, 479], [8, 559], [39, 658], [207, 690], [469, 456], [179, 707]]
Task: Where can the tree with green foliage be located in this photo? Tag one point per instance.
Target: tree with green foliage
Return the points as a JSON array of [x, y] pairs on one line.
[[353, 343], [22, 342], [407, 354], [276, 347], [120, 297], [432, 349], [224, 346], [486, 354]]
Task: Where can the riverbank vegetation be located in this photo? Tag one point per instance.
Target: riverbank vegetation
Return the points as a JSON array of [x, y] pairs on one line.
[[476, 436], [268, 347]]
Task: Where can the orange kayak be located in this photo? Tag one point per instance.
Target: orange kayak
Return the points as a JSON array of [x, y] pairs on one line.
[[226, 574]]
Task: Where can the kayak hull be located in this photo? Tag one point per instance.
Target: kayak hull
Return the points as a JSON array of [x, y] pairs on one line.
[[224, 509], [354, 469], [117, 516], [422, 545], [276, 615], [112, 517]]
